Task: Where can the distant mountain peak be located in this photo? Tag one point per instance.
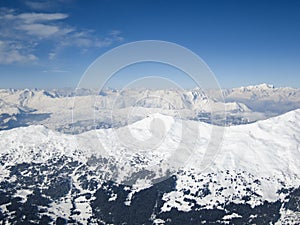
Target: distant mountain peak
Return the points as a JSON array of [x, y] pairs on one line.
[[259, 86]]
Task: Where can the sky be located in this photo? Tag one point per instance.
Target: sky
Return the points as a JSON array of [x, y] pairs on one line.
[[50, 43]]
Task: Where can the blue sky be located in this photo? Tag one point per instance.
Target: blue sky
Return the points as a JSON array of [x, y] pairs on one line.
[[47, 44]]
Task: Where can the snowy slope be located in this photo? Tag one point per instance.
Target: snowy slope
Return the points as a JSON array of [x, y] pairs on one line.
[[256, 166], [7, 108], [269, 148], [274, 139]]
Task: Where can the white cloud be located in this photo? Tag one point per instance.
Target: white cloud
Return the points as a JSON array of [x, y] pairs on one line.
[[44, 31], [37, 17], [40, 25], [55, 71], [39, 30], [43, 5], [51, 55], [26, 28], [46, 4], [34, 17], [87, 39], [14, 52]]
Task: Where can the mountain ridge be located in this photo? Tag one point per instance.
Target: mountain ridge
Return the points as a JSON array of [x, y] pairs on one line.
[[257, 168]]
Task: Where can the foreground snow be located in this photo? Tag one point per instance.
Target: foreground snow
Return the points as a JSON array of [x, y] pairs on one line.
[[256, 165], [268, 150]]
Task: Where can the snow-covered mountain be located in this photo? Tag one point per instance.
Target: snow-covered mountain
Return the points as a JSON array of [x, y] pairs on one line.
[[54, 108], [264, 92], [167, 99], [265, 97], [150, 156], [129, 175]]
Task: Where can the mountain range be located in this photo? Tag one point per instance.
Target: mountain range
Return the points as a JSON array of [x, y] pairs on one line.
[[81, 110]]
